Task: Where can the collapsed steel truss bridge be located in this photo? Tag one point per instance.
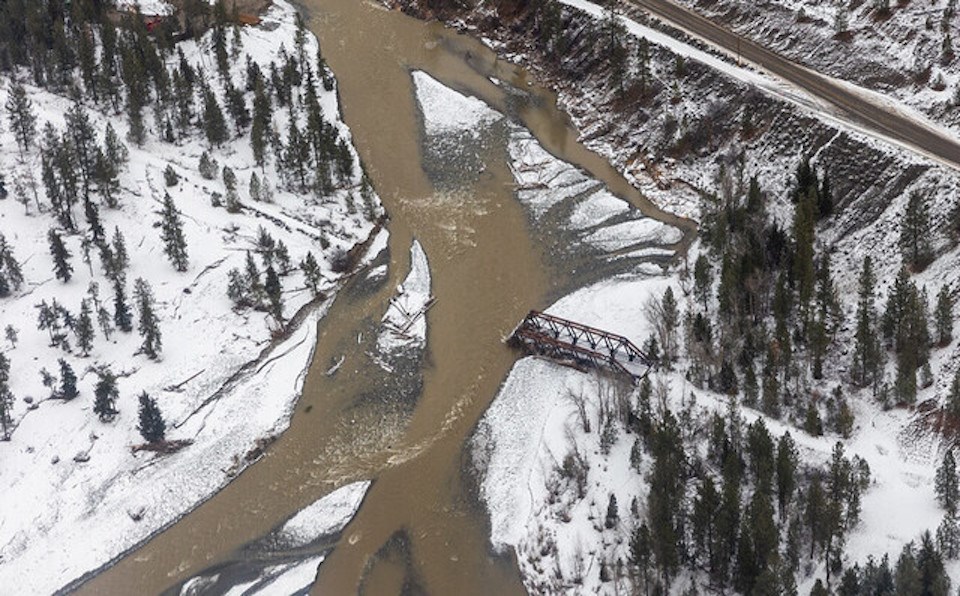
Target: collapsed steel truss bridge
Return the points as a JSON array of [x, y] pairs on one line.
[[574, 343]]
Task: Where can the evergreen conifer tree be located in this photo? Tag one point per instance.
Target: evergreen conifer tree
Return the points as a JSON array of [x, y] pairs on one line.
[[84, 329], [786, 468], [10, 272], [665, 519], [311, 273], [237, 106], [274, 294], [121, 310], [68, 381], [23, 120], [953, 397], [6, 397], [149, 325], [114, 149], [946, 483], [119, 260], [237, 289], [943, 316], [208, 166], [84, 143], [105, 395], [866, 353], [254, 284], [262, 119], [254, 187], [152, 427], [61, 256], [934, 580], [171, 231], [214, 124], [915, 233], [948, 536]]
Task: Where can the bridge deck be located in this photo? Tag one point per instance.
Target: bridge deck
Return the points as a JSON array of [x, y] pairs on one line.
[[569, 341]]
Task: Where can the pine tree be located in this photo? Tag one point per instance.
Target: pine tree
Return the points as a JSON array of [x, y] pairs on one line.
[[948, 536], [641, 554], [208, 166], [10, 271], [825, 197], [106, 176], [6, 397], [61, 256], [237, 106], [702, 280], [121, 311], [119, 260], [137, 133], [703, 522], [866, 354], [214, 124], [804, 272], [171, 231], [230, 182], [786, 467], [311, 273], [274, 294], [262, 122], [23, 120], [105, 395], [666, 487], [254, 188], [84, 329], [915, 233], [10, 333], [953, 397], [237, 289], [148, 326], [68, 381], [114, 150], [946, 484], [152, 427], [934, 580], [84, 143], [944, 316], [254, 285], [613, 514]]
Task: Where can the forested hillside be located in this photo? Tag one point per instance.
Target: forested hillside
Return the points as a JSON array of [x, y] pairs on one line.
[[180, 200]]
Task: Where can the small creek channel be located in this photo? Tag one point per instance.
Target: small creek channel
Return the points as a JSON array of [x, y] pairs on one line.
[[487, 271]]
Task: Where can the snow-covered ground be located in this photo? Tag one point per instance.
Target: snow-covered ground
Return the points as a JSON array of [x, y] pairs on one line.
[[899, 53], [754, 75], [533, 424], [327, 515], [325, 518], [221, 382], [404, 324]]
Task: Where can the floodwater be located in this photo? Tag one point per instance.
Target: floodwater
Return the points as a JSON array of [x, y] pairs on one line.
[[419, 530]]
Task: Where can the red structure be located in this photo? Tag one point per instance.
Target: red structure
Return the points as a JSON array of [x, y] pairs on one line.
[[575, 343]]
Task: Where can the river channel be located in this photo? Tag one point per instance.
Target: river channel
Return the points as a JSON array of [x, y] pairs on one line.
[[487, 270]]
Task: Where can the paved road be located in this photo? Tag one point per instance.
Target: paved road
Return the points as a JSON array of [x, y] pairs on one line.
[[850, 106]]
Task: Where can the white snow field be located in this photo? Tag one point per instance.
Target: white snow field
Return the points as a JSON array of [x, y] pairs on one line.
[[220, 382], [404, 324]]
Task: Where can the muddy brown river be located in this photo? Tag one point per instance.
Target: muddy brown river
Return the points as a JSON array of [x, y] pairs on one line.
[[487, 273]]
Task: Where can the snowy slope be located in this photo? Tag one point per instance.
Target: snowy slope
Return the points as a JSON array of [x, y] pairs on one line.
[[220, 382]]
